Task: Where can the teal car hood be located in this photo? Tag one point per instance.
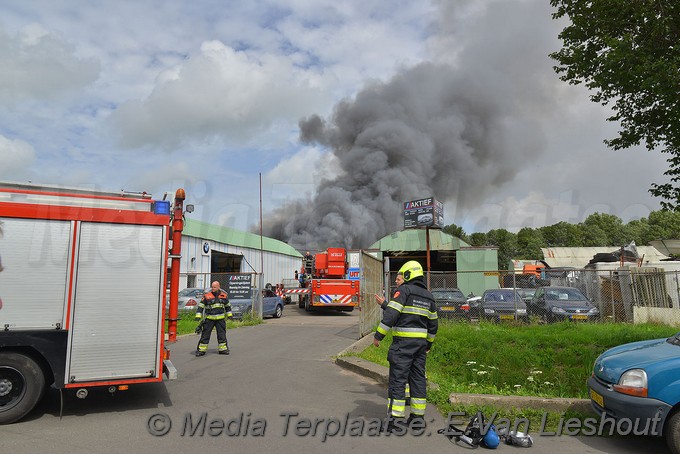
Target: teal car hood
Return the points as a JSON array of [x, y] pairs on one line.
[[651, 355]]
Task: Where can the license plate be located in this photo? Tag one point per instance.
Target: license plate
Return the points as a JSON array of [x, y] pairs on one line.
[[448, 308], [507, 317], [597, 398], [579, 317]]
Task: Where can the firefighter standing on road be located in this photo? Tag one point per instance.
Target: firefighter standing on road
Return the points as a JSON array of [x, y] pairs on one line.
[[213, 308], [412, 316]]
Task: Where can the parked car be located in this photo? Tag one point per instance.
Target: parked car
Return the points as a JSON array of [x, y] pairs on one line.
[[553, 304], [272, 305], [526, 294], [451, 303], [187, 299], [640, 380], [499, 305]]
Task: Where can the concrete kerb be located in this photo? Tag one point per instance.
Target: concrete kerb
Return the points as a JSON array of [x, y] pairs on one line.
[[381, 375]]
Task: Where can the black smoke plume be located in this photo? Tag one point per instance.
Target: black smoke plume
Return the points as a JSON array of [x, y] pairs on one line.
[[454, 131]]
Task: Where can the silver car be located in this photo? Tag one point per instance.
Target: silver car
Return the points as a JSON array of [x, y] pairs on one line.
[[189, 298]]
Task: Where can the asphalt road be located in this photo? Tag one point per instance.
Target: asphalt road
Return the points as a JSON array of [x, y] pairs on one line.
[[278, 392]]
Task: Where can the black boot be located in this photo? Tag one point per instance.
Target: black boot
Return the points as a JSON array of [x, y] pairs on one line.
[[199, 353], [416, 421], [396, 426]]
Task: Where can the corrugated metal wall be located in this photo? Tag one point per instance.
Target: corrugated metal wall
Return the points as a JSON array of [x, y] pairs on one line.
[[371, 284], [194, 260]]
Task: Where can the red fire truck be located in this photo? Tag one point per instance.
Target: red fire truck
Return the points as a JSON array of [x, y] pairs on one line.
[[325, 285], [83, 278]]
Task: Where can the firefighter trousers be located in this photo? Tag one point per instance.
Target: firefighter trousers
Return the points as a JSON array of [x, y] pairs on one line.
[[407, 359], [220, 326]]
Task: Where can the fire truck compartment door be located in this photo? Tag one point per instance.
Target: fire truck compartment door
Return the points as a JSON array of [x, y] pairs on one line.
[[117, 311], [34, 255]]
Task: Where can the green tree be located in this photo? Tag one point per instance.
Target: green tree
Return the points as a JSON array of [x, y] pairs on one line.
[[628, 53], [664, 225], [601, 229], [529, 244], [477, 239], [638, 230], [506, 243], [562, 234], [458, 232]]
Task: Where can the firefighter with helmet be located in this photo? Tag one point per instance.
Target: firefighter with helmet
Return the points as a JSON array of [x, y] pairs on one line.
[[411, 314], [213, 309]]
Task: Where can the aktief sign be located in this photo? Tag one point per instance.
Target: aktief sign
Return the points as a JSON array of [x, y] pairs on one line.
[[427, 212], [238, 286]]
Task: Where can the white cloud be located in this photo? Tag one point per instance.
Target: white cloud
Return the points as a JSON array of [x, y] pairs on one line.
[[37, 64], [220, 93], [15, 156]]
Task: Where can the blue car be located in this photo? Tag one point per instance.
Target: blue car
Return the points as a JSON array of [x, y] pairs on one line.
[[641, 380], [272, 305]]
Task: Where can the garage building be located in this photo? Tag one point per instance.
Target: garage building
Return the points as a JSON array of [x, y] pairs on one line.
[[209, 249]]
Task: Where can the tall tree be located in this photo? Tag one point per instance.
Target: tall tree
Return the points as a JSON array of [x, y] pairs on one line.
[[507, 246], [562, 234], [664, 225], [458, 232], [529, 244], [628, 53], [478, 239], [602, 229]]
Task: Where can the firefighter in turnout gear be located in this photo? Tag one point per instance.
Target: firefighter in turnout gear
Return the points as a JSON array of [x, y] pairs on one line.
[[213, 309], [411, 314]]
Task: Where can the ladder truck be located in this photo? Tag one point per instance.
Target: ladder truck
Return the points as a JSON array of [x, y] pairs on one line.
[[325, 285]]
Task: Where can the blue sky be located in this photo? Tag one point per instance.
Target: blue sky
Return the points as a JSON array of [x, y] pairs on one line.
[[207, 95]]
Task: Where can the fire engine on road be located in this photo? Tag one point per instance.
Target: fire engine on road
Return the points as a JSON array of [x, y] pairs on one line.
[[82, 288], [324, 285]]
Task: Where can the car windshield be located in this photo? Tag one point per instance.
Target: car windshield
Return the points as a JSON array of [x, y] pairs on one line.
[[188, 292], [526, 292], [447, 294], [564, 294], [502, 295]]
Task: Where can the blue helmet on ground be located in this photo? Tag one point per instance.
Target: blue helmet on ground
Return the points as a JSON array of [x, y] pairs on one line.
[[491, 439]]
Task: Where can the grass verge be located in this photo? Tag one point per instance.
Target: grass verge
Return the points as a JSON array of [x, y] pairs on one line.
[[186, 323], [522, 360]]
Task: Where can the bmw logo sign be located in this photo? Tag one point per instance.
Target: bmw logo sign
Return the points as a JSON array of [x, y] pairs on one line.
[[206, 247]]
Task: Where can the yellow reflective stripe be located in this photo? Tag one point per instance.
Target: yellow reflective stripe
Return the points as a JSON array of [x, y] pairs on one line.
[[396, 306], [432, 316], [416, 311], [398, 407], [383, 329], [409, 334], [418, 406], [215, 317], [430, 337], [202, 347]]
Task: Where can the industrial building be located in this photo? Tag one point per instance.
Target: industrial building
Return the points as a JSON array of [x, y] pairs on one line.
[[209, 249]]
